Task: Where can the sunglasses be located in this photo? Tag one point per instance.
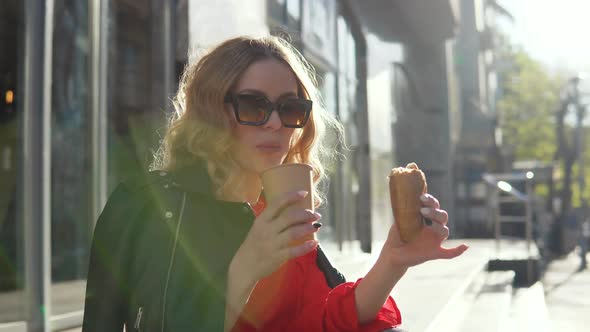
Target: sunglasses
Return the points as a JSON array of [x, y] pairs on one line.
[[255, 110]]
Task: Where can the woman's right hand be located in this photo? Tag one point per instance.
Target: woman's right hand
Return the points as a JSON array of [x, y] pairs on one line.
[[269, 242]]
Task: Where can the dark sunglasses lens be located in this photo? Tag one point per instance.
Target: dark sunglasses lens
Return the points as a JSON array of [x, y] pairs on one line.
[[251, 109], [294, 113]]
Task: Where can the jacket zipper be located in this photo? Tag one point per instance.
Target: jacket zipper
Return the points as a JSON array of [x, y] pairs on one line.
[[137, 324], [172, 260]]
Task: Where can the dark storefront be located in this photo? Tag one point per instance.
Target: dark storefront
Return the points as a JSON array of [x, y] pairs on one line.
[[85, 88]]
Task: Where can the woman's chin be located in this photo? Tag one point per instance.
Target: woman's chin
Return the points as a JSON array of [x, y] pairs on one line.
[[270, 163]]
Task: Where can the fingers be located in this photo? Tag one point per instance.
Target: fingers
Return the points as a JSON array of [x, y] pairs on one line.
[[275, 207], [436, 219], [298, 250], [292, 216], [297, 232], [438, 215], [430, 201], [448, 253], [441, 230]]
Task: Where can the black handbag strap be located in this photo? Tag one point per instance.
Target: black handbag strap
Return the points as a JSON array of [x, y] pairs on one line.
[[332, 275]]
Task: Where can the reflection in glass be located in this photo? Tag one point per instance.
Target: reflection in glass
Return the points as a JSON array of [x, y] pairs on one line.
[[276, 10], [348, 112], [343, 55], [136, 95], [293, 18], [328, 90], [70, 155], [294, 9], [11, 241]]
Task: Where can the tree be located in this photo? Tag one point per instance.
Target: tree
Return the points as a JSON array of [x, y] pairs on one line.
[[527, 113], [538, 125], [527, 107]]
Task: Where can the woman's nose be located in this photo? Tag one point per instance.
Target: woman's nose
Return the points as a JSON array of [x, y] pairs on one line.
[[274, 121]]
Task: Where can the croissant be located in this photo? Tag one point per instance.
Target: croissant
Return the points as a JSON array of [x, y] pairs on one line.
[[406, 184]]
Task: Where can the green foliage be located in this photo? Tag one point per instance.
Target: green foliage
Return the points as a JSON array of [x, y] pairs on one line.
[[530, 97], [527, 116], [527, 108]]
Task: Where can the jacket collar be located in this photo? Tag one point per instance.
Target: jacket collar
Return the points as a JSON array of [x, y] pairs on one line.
[[193, 178]]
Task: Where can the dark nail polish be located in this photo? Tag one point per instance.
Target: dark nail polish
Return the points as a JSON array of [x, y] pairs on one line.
[[317, 225], [428, 222]]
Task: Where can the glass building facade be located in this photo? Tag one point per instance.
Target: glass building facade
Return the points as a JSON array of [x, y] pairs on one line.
[[11, 148], [329, 36], [85, 89]]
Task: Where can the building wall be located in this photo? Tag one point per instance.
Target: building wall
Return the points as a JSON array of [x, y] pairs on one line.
[[111, 67], [476, 148], [424, 130], [210, 22], [91, 82], [382, 115], [420, 82]]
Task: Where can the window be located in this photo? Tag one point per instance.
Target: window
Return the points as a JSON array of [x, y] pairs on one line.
[[276, 10], [293, 17], [284, 17], [319, 28], [71, 169], [11, 145], [136, 95]]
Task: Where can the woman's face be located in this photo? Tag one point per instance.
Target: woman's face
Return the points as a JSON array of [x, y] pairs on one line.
[[258, 148]]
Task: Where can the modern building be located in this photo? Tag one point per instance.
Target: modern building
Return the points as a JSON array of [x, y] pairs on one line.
[[479, 148], [85, 89], [413, 95]]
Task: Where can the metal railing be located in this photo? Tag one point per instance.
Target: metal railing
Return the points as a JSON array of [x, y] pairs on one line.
[[501, 183]]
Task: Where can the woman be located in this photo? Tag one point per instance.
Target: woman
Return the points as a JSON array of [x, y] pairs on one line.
[[194, 246]]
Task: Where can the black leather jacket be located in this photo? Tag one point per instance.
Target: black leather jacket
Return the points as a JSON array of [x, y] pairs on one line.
[[160, 255]]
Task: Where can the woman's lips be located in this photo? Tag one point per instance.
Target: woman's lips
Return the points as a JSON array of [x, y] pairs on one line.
[[268, 147]]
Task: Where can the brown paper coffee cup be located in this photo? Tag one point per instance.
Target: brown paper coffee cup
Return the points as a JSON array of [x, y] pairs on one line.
[[286, 178]]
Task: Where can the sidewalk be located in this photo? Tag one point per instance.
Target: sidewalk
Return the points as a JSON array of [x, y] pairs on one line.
[[567, 293], [429, 295], [439, 295]]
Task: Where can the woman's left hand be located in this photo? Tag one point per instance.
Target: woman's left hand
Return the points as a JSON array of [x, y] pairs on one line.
[[428, 244]]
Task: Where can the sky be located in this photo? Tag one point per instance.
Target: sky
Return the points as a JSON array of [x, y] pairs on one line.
[[555, 32]]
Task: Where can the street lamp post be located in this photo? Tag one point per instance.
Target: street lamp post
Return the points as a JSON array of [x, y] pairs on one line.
[[576, 97], [571, 153], [580, 110], [580, 106], [580, 114]]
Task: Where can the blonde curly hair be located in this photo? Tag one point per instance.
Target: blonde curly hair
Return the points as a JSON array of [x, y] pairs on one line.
[[201, 129]]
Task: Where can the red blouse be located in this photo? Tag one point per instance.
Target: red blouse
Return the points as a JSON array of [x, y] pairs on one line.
[[296, 297]]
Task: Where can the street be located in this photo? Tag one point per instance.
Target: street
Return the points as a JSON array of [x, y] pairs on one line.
[[567, 294], [561, 302]]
